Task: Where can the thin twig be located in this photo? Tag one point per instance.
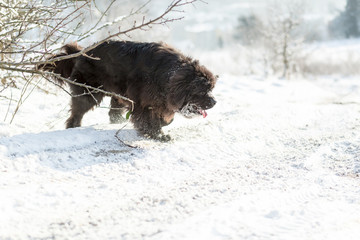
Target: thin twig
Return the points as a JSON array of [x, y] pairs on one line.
[[118, 138], [8, 109]]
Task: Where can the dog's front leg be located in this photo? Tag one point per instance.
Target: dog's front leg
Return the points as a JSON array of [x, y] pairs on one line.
[[149, 124]]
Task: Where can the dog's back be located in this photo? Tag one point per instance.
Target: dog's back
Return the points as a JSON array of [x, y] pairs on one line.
[[115, 65], [116, 59]]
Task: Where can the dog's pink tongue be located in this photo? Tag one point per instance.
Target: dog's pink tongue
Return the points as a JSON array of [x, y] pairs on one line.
[[204, 113]]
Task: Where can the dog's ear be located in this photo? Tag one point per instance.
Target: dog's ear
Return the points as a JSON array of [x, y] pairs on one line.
[[178, 88], [177, 100]]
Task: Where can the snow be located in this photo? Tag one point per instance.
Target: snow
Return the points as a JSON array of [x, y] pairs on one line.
[[274, 159]]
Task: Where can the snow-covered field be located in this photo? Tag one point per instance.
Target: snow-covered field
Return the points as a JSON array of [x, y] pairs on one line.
[[274, 159]]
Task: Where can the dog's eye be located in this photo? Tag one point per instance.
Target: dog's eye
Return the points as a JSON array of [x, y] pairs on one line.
[[201, 95]]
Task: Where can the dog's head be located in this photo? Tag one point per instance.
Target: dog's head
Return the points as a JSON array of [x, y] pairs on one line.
[[192, 88], [198, 98]]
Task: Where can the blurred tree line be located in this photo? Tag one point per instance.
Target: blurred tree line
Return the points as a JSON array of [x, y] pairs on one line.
[[281, 33], [346, 24]]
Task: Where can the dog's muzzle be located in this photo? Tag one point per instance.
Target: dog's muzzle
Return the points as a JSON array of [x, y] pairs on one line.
[[210, 103]]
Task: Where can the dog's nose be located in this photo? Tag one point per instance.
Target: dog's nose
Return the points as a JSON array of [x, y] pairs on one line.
[[212, 103]]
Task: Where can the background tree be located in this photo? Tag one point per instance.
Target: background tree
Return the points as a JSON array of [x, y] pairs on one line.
[[352, 12], [347, 23], [282, 41], [279, 37], [248, 29]]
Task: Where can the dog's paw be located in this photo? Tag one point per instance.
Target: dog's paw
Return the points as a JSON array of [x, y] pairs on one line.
[[160, 137], [164, 138]]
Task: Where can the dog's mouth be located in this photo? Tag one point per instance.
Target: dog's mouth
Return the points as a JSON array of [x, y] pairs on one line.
[[191, 110], [203, 112]]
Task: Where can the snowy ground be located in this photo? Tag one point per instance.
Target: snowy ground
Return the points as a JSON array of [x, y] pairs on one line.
[[274, 159]]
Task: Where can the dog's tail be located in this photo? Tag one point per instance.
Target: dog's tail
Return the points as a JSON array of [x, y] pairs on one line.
[[62, 67]]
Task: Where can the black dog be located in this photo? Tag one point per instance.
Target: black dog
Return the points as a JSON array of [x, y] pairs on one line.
[[158, 78]]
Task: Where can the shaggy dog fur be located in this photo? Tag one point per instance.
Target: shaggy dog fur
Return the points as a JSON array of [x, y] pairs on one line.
[[158, 78]]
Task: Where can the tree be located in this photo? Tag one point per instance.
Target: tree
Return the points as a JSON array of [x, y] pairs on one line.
[[281, 37], [351, 18], [276, 36], [32, 30], [248, 29], [347, 23]]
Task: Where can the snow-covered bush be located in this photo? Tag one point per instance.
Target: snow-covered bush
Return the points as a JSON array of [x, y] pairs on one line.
[[277, 35]]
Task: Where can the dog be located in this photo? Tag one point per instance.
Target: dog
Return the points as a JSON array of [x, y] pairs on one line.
[[159, 79]]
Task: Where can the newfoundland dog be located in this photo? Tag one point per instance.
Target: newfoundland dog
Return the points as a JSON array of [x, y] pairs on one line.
[[159, 79]]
